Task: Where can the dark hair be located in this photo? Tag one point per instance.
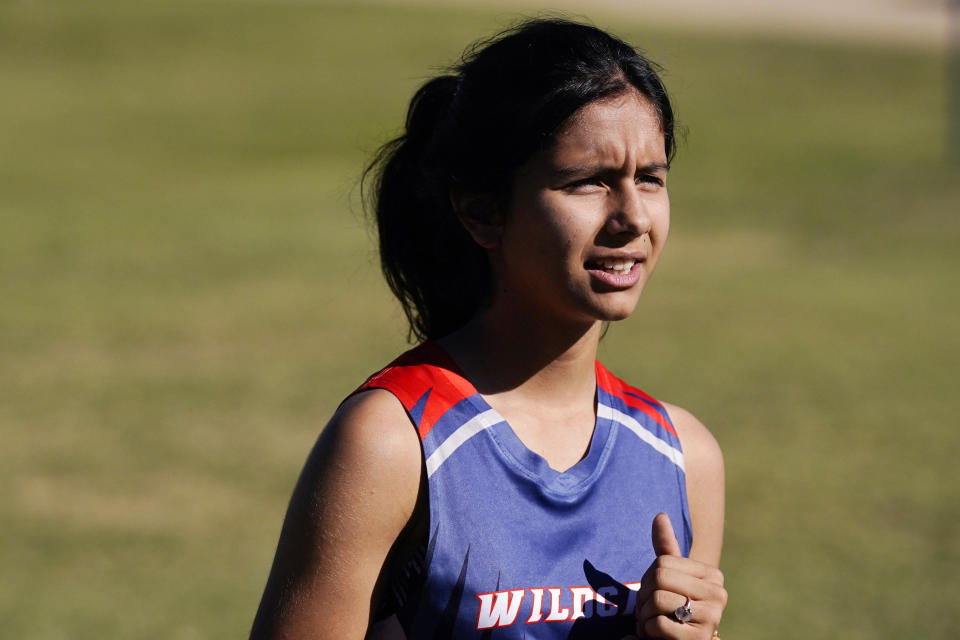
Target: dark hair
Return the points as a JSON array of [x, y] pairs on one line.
[[470, 130]]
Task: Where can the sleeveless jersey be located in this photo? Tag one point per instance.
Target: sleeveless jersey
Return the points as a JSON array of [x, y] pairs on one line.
[[516, 549]]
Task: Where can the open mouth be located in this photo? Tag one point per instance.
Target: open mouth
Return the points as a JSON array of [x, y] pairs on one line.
[[618, 266]]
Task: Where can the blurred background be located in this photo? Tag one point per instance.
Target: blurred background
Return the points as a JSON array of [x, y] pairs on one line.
[[189, 287]]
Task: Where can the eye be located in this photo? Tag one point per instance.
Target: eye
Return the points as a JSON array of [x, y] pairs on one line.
[[649, 179], [585, 185]]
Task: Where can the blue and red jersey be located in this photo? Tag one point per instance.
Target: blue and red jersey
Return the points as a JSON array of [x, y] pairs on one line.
[[516, 549]]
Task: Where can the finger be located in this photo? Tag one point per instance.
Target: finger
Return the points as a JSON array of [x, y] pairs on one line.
[[704, 613], [675, 567], [660, 603], [689, 566], [664, 540], [664, 545], [681, 583], [667, 627]]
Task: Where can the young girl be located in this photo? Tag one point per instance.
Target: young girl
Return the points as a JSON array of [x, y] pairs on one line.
[[497, 481]]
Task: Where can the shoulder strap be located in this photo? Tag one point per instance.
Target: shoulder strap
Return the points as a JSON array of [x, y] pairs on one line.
[[427, 382], [633, 397]]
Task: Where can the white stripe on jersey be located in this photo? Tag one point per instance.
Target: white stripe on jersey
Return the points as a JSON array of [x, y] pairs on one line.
[[674, 455], [490, 418], [463, 433]]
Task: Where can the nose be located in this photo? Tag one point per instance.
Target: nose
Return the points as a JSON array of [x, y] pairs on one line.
[[629, 213]]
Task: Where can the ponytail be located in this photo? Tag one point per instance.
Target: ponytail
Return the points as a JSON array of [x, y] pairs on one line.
[[430, 262]]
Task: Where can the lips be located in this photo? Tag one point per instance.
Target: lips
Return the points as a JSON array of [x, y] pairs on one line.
[[617, 273]]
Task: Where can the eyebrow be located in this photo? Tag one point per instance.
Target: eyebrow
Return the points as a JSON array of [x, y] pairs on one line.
[[591, 169]]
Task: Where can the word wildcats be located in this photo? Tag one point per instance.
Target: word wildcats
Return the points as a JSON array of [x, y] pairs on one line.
[[553, 604]]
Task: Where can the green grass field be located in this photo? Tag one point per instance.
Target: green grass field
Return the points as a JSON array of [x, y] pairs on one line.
[[189, 287]]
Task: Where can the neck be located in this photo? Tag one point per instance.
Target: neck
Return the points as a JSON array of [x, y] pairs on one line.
[[502, 351]]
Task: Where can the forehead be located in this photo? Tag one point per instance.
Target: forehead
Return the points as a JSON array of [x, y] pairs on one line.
[[614, 127]]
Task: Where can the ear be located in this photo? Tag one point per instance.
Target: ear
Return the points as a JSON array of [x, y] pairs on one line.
[[479, 215]]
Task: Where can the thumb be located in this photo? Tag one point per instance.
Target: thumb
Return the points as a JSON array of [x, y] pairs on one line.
[[664, 541]]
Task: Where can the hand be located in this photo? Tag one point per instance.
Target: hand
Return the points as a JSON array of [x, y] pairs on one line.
[[667, 584]]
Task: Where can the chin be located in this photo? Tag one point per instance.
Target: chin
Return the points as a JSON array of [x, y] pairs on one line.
[[623, 308], [606, 307], [614, 313], [616, 316]]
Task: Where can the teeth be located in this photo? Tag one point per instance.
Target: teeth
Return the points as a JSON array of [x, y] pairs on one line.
[[618, 266]]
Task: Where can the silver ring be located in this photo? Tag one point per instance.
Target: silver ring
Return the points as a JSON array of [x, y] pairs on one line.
[[683, 613]]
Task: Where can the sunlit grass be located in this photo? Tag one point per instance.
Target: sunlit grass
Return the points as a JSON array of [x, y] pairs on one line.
[[189, 289]]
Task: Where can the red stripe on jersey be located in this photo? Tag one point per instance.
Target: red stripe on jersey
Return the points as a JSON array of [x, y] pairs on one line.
[[422, 369], [617, 387]]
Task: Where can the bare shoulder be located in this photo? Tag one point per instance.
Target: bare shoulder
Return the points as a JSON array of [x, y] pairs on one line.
[[698, 443], [373, 426], [705, 473], [367, 464], [356, 493]]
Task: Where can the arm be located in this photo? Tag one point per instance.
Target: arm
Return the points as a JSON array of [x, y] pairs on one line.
[[357, 492], [671, 579], [705, 484]]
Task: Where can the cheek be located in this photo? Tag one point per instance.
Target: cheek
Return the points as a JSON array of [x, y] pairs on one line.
[[545, 229], [661, 222], [530, 242]]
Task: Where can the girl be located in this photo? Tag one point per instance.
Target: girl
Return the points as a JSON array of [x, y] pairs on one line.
[[497, 481]]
